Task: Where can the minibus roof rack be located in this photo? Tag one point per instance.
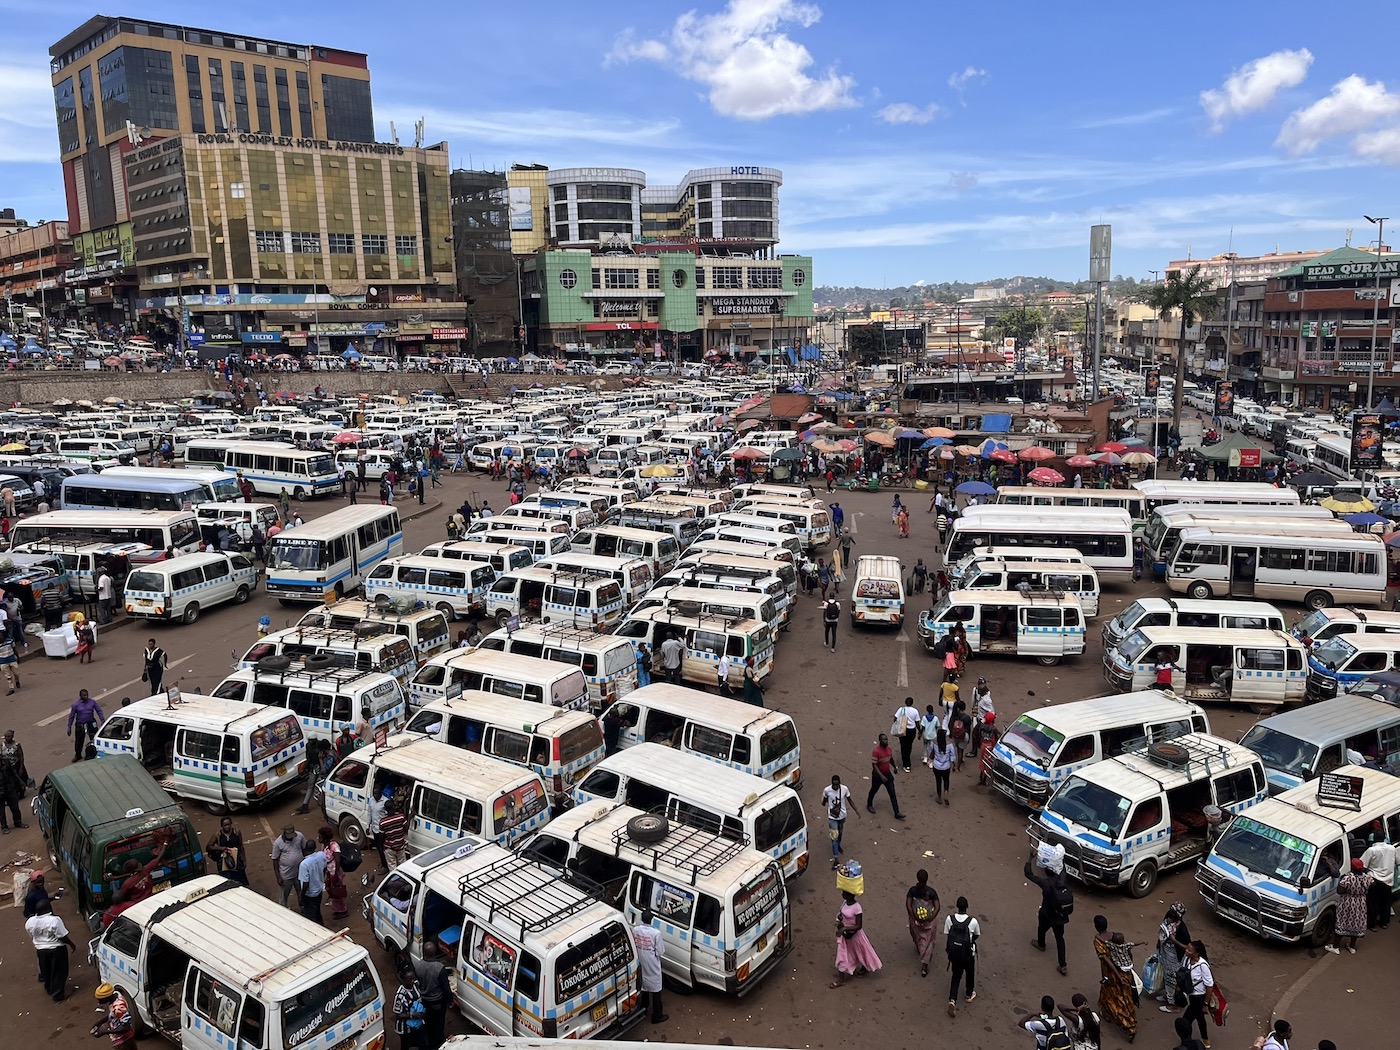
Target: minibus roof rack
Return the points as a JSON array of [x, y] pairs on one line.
[[702, 850], [524, 892]]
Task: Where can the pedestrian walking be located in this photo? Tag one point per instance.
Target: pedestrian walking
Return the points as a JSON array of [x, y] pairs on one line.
[[906, 728], [643, 665], [831, 617], [855, 955], [753, 688], [52, 945], [1085, 1026], [1056, 906], [1172, 939], [287, 853], [410, 1015], [960, 933], [921, 905], [14, 782], [1117, 986], [982, 705], [722, 675], [86, 634], [311, 881], [984, 739], [882, 773], [1352, 891], [336, 887], [672, 657], [10, 662], [837, 800], [823, 576], [435, 986], [941, 757], [1199, 980], [1048, 1027], [155, 662], [650, 948], [227, 852], [85, 715]]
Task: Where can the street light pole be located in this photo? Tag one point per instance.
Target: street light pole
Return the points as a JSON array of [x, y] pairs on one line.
[[1379, 221]]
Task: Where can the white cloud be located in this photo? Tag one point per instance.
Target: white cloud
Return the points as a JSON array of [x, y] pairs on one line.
[[1354, 105], [1254, 85], [27, 128], [907, 113], [1382, 145], [1127, 120], [959, 81], [751, 68]]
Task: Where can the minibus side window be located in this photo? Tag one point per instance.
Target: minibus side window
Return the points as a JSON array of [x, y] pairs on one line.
[[307, 704], [352, 774], [707, 915], [1146, 817], [203, 747], [602, 783], [709, 742], [1233, 788], [118, 728], [124, 936], [646, 796], [215, 1002], [1077, 749], [250, 1027], [510, 747], [527, 977], [672, 904]]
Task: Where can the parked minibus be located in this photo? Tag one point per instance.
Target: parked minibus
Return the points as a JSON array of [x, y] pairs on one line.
[[757, 539], [735, 734], [682, 522], [706, 639], [225, 754], [1274, 869], [561, 746], [1044, 624], [554, 595], [811, 522], [1127, 819], [214, 486], [1321, 624], [212, 965], [1190, 612], [633, 575], [179, 589], [705, 600], [530, 952], [1079, 580], [1337, 664], [501, 557], [689, 789], [1228, 665], [445, 791], [426, 629], [331, 554], [160, 530], [510, 521], [608, 663], [721, 906], [614, 541], [1300, 745], [539, 681], [753, 563], [367, 646], [540, 544], [455, 589], [1103, 537], [1166, 522], [272, 466], [1058, 555], [1042, 748], [325, 699], [756, 577]]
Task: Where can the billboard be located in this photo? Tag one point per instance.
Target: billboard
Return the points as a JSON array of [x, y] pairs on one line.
[[1224, 399], [522, 217], [1152, 382], [1367, 433], [1100, 254]]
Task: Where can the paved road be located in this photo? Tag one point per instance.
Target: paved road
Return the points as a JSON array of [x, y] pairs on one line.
[[841, 701]]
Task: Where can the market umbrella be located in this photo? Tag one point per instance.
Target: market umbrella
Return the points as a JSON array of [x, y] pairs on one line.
[[347, 437], [808, 417], [908, 434], [826, 445], [946, 453], [743, 452], [882, 438], [14, 446], [1108, 459], [747, 424], [1393, 540], [351, 355], [966, 450], [577, 453], [656, 470], [847, 445], [1313, 479], [1113, 446], [975, 488], [1036, 454], [938, 432], [112, 362], [991, 445], [1080, 461], [1002, 455], [1347, 504], [1138, 459], [113, 400], [1361, 517], [933, 443], [1046, 476], [788, 454]]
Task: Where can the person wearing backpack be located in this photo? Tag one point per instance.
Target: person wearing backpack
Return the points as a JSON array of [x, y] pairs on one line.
[[409, 1012], [1056, 906], [1049, 1029], [831, 616], [959, 728], [960, 933]]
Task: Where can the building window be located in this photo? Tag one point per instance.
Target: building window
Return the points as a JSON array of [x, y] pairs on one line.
[[707, 229], [349, 115], [306, 243], [271, 241], [703, 190], [746, 189], [799, 278], [705, 210], [561, 213], [375, 243], [748, 209], [615, 278], [653, 308], [728, 277], [216, 95], [597, 278], [699, 277], [654, 280], [304, 104], [765, 277], [678, 278], [595, 211], [260, 97], [561, 193], [561, 233], [240, 96], [406, 244], [341, 243], [602, 191], [237, 190], [65, 102], [284, 104], [568, 279]]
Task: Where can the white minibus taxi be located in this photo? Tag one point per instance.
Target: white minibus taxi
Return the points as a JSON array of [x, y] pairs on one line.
[[1300, 745], [812, 522], [616, 541], [181, 588], [877, 596], [455, 589], [1322, 624], [702, 599], [426, 629], [1232, 665], [539, 544], [1191, 612], [519, 677], [366, 647], [633, 575], [1339, 663], [502, 557], [706, 639], [608, 663], [324, 700], [1043, 624], [721, 906], [549, 595], [1079, 580]]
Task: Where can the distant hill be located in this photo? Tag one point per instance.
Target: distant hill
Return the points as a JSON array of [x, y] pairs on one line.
[[914, 295]]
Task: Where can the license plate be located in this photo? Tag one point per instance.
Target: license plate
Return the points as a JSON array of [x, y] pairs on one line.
[[763, 942], [281, 769], [600, 1011], [159, 886]]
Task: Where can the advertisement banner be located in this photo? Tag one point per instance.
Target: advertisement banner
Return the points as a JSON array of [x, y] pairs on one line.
[[1367, 432], [1224, 399], [730, 305], [1152, 382]]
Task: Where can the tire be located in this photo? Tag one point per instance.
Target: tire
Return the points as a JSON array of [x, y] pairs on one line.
[[241, 595], [277, 662], [1323, 929], [1317, 600], [1199, 589], [351, 831], [318, 662], [299, 494], [191, 613], [447, 611], [1143, 878], [648, 828], [1047, 661], [217, 808], [1169, 753], [502, 618]]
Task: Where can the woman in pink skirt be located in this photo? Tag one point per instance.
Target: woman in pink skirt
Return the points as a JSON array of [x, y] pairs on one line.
[[854, 954]]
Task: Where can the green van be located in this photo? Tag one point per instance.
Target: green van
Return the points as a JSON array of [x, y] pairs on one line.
[[100, 816]]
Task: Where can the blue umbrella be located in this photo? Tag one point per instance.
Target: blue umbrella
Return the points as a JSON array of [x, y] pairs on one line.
[[1364, 517], [6, 341], [989, 446], [351, 355], [975, 488], [908, 434], [934, 443]]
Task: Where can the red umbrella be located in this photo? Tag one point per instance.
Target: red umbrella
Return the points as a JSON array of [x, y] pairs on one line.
[[748, 452], [1002, 455], [347, 437], [1037, 453], [1081, 461], [1113, 446], [847, 445], [1046, 476]]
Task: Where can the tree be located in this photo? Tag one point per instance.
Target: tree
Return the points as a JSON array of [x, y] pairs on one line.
[[1193, 295], [1021, 324]]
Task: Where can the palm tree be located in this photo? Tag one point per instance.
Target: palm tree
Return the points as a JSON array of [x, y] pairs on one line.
[[1193, 295]]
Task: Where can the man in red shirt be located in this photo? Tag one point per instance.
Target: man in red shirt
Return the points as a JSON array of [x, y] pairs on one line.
[[882, 771]]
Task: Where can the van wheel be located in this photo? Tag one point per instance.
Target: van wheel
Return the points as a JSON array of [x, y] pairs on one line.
[[447, 611], [217, 808], [319, 662], [275, 662], [502, 618], [1323, 929], [1317, 600], [191, 613], [299, 494], [1143, 878], [351, 832], [648, 828], [241, 595], [1199, 589], [1047, 661]]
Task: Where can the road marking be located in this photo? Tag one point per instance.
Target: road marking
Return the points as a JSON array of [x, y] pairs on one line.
[[108, 692], [902, 679]]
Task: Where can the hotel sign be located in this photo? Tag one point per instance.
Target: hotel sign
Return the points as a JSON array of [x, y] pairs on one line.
[[248, 139], [732, 305], [1351, 271]]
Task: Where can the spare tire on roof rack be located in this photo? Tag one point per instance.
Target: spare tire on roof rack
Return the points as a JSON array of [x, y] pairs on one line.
[[319, 662], [275, 662], [1169, 753], [648, 828]]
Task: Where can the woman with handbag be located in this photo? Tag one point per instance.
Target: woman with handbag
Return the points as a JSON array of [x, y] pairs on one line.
[[14, 781], [1196, 980], [1172, 938], [855, 955], [336, 889]]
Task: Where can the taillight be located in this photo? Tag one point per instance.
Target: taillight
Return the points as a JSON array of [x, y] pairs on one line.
[[558, 783], [248, 779], [556, 749]]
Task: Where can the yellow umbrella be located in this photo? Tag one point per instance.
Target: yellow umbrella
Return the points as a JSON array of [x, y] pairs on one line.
[[658, 470], [14, 446], [1347, 504]]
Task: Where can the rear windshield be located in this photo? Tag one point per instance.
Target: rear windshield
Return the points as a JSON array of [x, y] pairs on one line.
[[775, 826], [141, 849], [587, 964], [756, 899], [328, 1002], [777, 742], [578, 742], [145, 581]]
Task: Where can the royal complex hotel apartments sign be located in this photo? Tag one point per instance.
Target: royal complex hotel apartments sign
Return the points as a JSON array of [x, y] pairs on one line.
[[248, 139]]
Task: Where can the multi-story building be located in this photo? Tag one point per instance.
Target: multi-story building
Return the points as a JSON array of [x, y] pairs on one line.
[[354, 237], [1227, 267], [118, 81], [32, 262], [1328, 325]]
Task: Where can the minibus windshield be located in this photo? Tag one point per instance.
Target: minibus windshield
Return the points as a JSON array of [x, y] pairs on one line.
[[1033, 739], [1334, 652], [1133, 647], [1090, 806], [1266, 851], [1281, 751], [295, 554], [776, 742]]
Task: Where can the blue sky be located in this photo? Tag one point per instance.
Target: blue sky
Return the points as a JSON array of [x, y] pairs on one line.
[[918, 141]]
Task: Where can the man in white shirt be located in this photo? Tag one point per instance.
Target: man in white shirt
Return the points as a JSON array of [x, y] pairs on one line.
[[722, 675], [1043, 1023], [960, 933], [1379, 859], [105, 593], [906, 719], [52, 945], [672, 654], [836, 799]]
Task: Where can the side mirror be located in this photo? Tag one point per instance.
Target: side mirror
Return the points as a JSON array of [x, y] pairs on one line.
[[1304, 883]]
